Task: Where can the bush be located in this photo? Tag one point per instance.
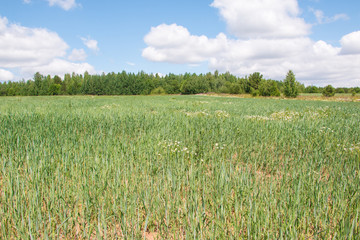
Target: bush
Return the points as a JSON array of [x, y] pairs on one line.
[[269, 88], [328, 91], [312, 89], [187, 88], [254, 92], [158, 91], [232, 88], [194, 86], [340, 90], [54, 89]]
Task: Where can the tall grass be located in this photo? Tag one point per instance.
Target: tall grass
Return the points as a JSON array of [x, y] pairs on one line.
[[178, 167]]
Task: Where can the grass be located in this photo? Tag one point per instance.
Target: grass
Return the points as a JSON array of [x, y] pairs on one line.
[[339, 97], [178, 167]]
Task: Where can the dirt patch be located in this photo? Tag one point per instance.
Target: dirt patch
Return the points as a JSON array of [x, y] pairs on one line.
[[151, 235]]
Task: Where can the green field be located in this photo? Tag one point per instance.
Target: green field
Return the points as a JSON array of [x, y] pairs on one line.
[[178, 167]]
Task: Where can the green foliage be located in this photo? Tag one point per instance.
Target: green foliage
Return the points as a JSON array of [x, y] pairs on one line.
[[141, 83], [57, 80], [340, 90], [54, 89], [254, 92], [353, 93], [187, 88], [269, 88], [255, 80], [301, 87], [11, 92], [312, 89], [193, 85], [290, 85], [158, 91], [329, 91], [231, 88]]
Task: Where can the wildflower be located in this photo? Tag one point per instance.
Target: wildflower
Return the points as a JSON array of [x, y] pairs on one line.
[[220, 113]]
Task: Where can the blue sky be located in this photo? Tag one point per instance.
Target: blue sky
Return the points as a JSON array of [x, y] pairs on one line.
[[319, 40]]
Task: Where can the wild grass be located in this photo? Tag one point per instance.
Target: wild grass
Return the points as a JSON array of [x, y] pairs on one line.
[[178, 167]]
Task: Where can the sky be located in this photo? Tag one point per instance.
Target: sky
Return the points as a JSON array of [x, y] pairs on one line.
[[318, 39]]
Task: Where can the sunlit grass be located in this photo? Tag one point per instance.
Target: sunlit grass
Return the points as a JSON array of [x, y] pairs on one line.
[[176, 167]]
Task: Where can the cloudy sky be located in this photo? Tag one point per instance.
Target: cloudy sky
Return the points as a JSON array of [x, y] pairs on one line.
[[318, 39]]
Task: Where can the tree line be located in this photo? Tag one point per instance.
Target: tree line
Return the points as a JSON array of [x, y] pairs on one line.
[[143, 83]]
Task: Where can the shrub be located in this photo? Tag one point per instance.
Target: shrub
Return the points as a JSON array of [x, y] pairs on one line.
[[158, 91], [353, 93], [54, 89], [328, 91], [254, 92], [194, 86], [269, 88]]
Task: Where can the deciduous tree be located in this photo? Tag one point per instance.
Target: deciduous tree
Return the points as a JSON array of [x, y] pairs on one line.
[[328, 91]]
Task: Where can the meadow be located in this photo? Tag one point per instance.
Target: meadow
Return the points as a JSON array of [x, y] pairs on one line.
[[178, 167]]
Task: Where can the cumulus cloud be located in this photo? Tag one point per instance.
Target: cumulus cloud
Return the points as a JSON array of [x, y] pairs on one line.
[[6, 75], [77, 55], [59, 67], [313, 62], [90, 43], [351, 43], [262, 18], [64, 4], [173, 43], [269, 50], [30, 50], [22, 46], [27, 1]]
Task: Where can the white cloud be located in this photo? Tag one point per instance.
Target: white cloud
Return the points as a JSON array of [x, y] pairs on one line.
[[22, 46], [314, 62], [351, 43], [173, 43], [90, 43], [262, 18], [6, 75], [159, 74], [77, 55], [323, 49], [30, 50], [59, 67], [272, 52], [64, 4], [322, 19]]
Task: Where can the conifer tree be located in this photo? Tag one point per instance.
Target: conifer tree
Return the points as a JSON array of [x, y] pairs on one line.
[[290, 85]]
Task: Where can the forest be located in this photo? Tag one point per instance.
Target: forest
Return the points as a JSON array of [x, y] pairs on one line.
[[143, 83]]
